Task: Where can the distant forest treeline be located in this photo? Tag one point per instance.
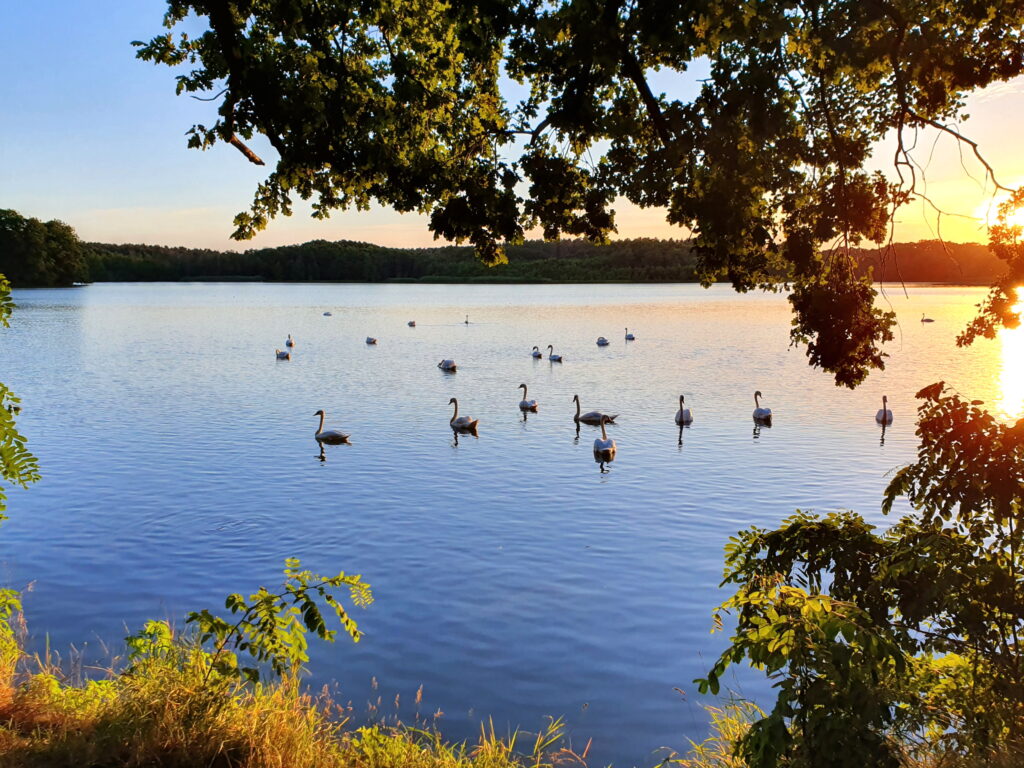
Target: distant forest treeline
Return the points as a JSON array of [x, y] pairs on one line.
[[33, 253], [636, 260]]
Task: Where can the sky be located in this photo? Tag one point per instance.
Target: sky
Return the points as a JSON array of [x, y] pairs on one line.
[[91, 136]]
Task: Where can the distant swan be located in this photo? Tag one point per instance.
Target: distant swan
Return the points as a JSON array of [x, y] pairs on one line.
[[411, 323], [524, 404], [884, 416], [761, 415], [283, 354], [604, 447], [590, 417], [683, 415], [331, 436], [537, 353], [461, 423], [602, 341], [370, 340], [289, 342], [327, 314], [630, 336], [926, 319], [551, 357], [447, 365], [467, 319]]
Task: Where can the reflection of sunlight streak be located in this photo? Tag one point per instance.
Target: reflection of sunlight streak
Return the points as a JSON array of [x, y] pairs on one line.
[[1011, 376]]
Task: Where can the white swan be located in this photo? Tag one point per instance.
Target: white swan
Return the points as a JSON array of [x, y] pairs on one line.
[[289, 342], [461, 423], [283, 354], [447, 365], [332, 436], [551, 357], [761, 415], [370, 340], [604, 447], [411, 323], [683, 415], [590, 417], [884, 416], [524, 404], [630, 336], [926, 319], [537, 353], [602, 341]]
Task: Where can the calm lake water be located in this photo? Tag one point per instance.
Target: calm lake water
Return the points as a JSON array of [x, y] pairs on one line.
[[513, 580]]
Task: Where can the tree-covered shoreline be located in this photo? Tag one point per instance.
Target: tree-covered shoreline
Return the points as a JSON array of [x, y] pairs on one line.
[[638, 260]]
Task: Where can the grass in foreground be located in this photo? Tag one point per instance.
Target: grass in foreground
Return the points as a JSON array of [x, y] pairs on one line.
[[163, 710]]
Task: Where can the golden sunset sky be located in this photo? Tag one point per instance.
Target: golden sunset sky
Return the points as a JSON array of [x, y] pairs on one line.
[[96, 138]]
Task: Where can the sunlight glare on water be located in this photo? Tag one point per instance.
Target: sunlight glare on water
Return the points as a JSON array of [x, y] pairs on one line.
[[1011, 374], [513, 579]]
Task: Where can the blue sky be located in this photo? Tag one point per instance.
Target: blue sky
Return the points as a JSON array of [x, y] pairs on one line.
[[92, 136]]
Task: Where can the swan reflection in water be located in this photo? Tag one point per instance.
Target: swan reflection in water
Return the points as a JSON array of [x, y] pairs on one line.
[[457, 432], [881, 440], [681, 428], [759, 426]]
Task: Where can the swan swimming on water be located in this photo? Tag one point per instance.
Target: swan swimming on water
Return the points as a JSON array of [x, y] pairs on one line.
[[926, 319], [411, 323], [602, 341], [630, 336], [461, 423], [590, 417], [604, 446], [761, 415], [524, 404], [283, 354], [289, 342], [884, 415], [553, 358], [683, 415], [327, 314], [371, 340], [331, 436], [447, 365], [537, 353]]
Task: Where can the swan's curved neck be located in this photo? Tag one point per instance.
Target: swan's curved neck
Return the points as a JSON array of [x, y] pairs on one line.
[[321, 427], [551, 348], [456, 414], [681, 401], [525, 390], [577, 408], [757, 404], [604, 434]]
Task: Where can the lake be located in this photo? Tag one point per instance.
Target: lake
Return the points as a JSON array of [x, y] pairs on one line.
[[513, 579]]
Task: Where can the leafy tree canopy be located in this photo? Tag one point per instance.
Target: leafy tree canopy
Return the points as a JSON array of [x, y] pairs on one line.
[[399, 102]]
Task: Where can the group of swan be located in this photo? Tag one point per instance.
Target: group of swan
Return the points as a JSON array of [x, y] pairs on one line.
[[604, 447], [537, 354]]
